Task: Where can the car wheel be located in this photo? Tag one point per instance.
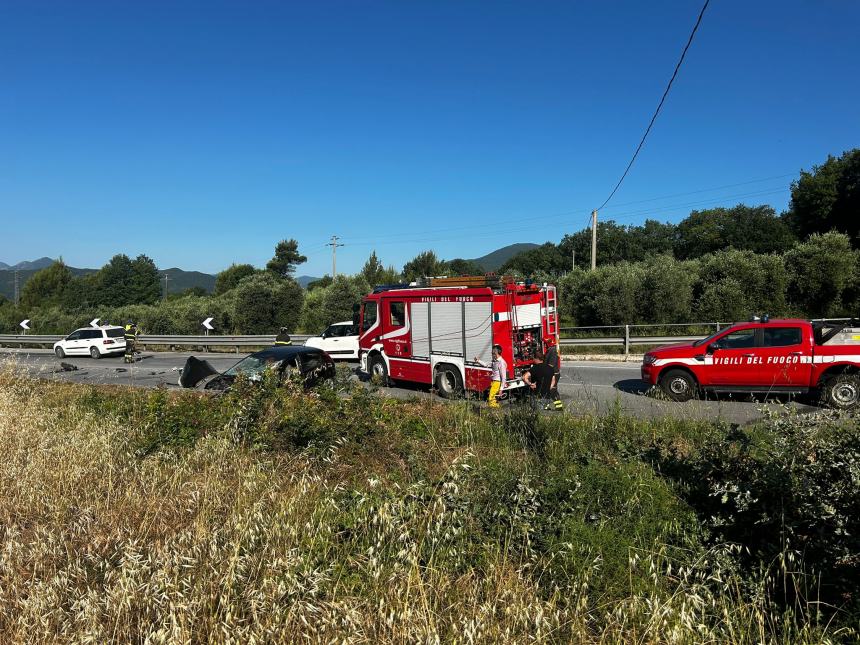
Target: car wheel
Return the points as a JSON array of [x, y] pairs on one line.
[[448, 382], [59, 352], [95, 353], [378, 369], [842, 392], [678, 385]]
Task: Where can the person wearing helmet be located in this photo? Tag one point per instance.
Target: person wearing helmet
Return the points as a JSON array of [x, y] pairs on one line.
[[283, 338], [130, 334], [499, 375]]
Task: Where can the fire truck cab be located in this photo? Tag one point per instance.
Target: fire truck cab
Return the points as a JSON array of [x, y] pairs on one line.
[[440, 331]]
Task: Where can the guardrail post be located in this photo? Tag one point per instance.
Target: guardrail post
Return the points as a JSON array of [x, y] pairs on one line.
[[626, 341]]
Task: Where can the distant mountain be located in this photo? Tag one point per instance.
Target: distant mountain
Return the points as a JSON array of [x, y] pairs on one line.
[[35, 265], [305, 280], [493, 261], [179, 280], [7, 279]]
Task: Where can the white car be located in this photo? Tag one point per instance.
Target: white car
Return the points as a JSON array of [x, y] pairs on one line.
[[95, 341], [340, 341]]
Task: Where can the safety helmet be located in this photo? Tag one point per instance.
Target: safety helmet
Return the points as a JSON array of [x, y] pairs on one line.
[[283, 330]]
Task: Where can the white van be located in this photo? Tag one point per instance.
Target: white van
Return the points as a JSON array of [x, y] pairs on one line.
[[340, 341]]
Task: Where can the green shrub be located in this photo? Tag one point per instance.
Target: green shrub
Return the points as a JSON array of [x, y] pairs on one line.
[[789, 489]]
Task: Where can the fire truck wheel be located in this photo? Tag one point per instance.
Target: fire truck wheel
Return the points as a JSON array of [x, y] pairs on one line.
[[843, 391], [678, 385], [378, 369], [449, 383]]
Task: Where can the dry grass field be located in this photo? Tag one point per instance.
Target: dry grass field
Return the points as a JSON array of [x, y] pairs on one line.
[[275, 516]]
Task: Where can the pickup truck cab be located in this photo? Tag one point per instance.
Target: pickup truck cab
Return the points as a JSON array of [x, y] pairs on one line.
[[764, 357]]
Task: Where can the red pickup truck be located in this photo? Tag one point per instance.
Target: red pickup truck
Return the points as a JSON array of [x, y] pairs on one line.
[[764, 357]]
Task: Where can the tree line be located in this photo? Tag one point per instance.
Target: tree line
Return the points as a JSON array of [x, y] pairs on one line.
[[719, 264]]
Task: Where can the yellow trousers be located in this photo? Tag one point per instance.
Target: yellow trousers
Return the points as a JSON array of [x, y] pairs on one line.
[[495, 386]]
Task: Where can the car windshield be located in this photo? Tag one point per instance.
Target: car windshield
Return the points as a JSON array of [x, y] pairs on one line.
[[252, 366], [337, 331], [707, 340]]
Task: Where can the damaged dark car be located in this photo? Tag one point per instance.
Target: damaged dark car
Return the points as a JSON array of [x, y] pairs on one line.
[[306, 363]]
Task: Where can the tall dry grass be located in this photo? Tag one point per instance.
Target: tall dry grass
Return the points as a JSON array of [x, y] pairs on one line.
[[221, 543]]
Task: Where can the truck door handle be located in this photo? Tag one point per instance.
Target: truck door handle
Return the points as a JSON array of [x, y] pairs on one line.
[[796, 354], [747, 355]]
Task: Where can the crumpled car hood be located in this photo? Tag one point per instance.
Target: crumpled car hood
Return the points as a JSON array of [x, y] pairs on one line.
[[194, 371]]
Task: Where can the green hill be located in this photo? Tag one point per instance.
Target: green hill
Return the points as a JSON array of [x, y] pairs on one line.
[[178, 280], [494, 260]]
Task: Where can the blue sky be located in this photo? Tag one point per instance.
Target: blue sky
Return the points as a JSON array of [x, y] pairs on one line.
[[201, 133]]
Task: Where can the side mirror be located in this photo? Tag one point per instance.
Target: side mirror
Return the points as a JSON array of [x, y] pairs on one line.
[[713, 347], [356, 314]]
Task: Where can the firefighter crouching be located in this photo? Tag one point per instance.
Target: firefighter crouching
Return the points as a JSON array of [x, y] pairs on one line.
[[130, 333], [543, 383], [283, 338]]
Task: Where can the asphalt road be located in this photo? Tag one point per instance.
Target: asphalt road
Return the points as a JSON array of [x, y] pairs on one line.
[[586, 386]]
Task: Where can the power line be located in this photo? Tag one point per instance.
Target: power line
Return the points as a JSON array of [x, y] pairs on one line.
[[703, 190], [660, 105], [359, 241], [710, 200], [456, 233]]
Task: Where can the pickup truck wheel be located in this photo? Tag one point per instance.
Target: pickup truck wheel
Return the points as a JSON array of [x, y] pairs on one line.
[[678, 385], [449, 384], [843, 391], [378, 369]]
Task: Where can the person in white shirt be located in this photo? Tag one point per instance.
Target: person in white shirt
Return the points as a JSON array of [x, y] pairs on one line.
[[499, 374]]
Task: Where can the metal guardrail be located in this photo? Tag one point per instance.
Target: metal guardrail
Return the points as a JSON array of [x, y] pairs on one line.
[[172, 341], [166, 340], [625, 340]]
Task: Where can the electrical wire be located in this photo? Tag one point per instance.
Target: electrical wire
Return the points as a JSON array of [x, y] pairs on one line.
[[566, 214], [456, 233], [660, 105]]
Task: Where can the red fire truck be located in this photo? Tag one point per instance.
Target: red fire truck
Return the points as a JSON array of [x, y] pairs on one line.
[[432, 331]]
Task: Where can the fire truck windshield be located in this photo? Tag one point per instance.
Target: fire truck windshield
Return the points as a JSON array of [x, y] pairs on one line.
[[368, 317]]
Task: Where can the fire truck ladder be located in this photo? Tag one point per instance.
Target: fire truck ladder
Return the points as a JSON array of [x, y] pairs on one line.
[[551, 312]]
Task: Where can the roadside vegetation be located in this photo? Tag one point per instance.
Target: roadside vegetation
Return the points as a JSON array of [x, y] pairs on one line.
[[716, 265], [273, 515]]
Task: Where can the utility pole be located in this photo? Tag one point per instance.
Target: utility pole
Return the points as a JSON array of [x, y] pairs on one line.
[[334, 244], [166, 286], [17, 289], [593, 240], [573, 259]]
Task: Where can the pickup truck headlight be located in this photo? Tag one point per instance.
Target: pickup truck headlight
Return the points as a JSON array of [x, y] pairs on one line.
[[649, 359]]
